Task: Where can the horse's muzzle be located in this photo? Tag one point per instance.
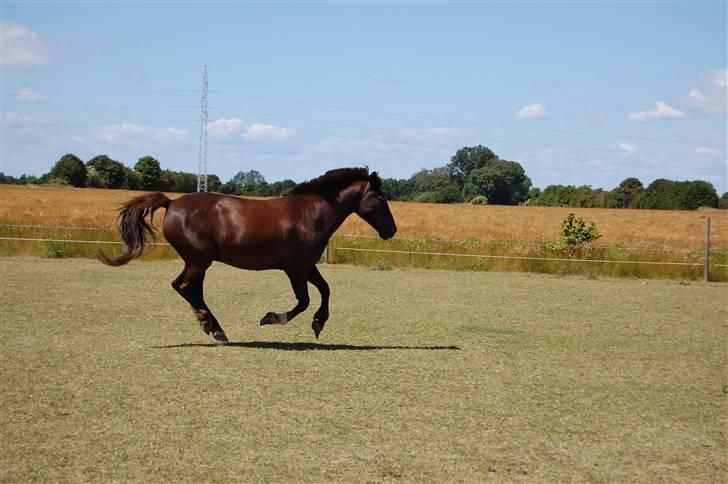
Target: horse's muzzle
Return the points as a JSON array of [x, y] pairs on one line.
[[388, 234]]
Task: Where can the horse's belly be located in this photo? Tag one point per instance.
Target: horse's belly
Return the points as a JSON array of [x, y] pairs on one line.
[[253, 258]]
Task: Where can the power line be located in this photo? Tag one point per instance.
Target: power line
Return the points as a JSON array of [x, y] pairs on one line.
[[129, 108], [473, 138], [110, 93], [451, 148], [453, 120], [95, 123]]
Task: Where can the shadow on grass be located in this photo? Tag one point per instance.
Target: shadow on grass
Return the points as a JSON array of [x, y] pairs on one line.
[[275, 345]]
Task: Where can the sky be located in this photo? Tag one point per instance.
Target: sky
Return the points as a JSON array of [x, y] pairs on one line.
[[578, 93]]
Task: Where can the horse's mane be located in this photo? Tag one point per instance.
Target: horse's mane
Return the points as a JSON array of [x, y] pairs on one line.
[[331, 183]]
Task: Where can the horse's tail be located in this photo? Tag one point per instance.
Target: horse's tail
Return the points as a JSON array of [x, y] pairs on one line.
[[134, 230]]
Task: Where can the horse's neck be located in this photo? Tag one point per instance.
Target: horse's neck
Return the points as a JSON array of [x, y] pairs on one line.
[[335, 213]]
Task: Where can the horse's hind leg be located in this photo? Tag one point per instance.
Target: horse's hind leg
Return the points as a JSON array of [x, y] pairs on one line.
[[189, 285], [322, 314]]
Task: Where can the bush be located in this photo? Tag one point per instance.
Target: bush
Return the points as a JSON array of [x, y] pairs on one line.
[[57, 250], [575, 234], [479, 200]]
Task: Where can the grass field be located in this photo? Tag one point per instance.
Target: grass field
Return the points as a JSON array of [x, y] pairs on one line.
[[495, 231], [419, 376]]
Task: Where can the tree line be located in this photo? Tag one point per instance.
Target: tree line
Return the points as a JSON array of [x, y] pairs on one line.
[[474, 175]]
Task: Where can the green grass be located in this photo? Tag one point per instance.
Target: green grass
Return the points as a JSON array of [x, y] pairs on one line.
[[419, 376]]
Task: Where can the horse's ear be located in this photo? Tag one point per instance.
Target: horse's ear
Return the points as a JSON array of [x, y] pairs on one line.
[[375, 182]]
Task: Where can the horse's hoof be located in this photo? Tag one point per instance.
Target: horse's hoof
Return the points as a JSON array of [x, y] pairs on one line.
[[220, 336], [317, 328], [274, 318], [269, 318]]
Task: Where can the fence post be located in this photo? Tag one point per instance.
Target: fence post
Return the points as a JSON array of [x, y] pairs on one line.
[[707, 250]]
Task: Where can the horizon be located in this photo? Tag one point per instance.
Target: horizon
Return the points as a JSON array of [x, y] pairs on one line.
[[578, 94]]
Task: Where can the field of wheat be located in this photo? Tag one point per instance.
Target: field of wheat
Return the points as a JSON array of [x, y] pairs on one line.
[[495, 231]]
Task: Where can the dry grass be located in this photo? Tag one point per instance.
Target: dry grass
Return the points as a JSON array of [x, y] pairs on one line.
[[659, 236], [639, 228], [425, 376]]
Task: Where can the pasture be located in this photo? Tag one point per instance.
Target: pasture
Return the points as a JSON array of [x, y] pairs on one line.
[[419, 376]]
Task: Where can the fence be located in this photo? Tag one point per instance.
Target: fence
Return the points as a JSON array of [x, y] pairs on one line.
[[331, 249]]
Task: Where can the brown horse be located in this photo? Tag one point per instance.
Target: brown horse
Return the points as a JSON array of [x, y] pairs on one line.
[[288, 233]]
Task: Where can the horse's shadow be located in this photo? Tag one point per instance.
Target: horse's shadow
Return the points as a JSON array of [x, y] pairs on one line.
[[282, 346]]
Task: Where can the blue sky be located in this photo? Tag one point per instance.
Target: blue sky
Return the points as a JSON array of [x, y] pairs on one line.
[[578, 93]]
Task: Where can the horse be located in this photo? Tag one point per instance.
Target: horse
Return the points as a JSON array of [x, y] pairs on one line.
[[288, 233]]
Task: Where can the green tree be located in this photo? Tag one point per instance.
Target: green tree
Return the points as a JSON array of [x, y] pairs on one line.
[[282, 187], [467, 160], [150, 173], [723, 202], [132, 179], [628, 193], [395, 189], [111, 172], [555, 196], [434, 186], [501, 182], [699, 193], [213, 183], [71, 169], [93, 180]]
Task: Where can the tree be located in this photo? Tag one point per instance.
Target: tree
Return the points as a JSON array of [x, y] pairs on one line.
[[434, 186], [395, 189], [213, 183], [110, 172], [501, 182], [468, 159], [283, 187], [93, 180], [698, 194], [628, 193], [71, 169], [150, 172], [723, 202], [555, 196], [679, 195], [132, 179]]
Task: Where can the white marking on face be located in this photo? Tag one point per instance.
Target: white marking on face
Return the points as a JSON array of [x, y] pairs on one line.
[[282, 318]]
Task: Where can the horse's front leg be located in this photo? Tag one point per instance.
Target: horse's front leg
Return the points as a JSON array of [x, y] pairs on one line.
[[300, 289], [319, 319]]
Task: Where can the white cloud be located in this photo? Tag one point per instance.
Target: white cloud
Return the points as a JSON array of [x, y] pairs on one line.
[[21, 47], [662, 111], [261, 132], [713, 100], [132, 133], [702, 150], [28, 95], [224, 127], [532, 111], [697, 97], [627, 148]]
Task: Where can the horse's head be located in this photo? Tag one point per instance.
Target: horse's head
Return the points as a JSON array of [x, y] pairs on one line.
[[373, 208]]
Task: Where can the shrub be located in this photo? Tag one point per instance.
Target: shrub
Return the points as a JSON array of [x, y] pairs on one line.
[[575, 234], [57, 250], [479, 200]]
